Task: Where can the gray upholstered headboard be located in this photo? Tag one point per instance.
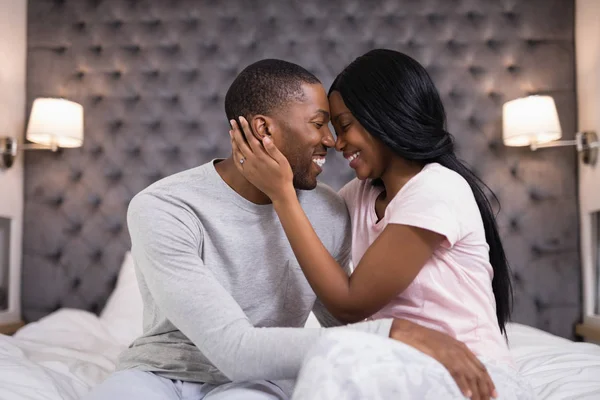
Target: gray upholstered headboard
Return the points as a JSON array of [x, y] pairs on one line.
[[152, 76]]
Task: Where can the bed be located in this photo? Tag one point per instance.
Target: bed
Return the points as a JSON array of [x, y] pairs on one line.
[[63, 355]]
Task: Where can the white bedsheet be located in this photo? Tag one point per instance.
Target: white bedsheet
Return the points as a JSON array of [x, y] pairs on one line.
[[58, 358], [62, 356]]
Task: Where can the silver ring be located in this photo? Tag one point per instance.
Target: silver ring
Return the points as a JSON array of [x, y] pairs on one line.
[[242, 160]]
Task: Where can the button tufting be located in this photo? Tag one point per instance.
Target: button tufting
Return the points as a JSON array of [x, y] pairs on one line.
[[75, 284], [56, 201], [152, 24], [94, 200], [191, 23], [190, 75], [76, 175], [154, 126], [96, 255], [211, 48], [113, 174], [96, 150], [75, 228], [134, 151], [116, 24], [112, 283], [509, 15], [115, 228], [55, 255], [116, 125], [95, 308], [133, 48]]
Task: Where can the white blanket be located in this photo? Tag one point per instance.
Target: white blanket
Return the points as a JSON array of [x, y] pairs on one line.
[[58, 358], [63, 355]]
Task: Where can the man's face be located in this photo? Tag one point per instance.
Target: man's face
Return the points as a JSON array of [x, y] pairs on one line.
[[301, 132]]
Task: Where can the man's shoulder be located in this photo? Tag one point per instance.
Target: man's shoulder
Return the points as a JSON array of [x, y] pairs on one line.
[[176, 189], [322, 196], [323, 205], [180, 181]]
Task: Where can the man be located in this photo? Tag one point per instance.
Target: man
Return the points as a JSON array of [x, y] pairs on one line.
[[224, 298]]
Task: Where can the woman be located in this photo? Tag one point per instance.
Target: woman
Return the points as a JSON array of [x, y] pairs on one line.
[[425, 242]]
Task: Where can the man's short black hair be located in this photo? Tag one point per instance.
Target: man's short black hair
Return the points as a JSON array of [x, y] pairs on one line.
[[265, 86]]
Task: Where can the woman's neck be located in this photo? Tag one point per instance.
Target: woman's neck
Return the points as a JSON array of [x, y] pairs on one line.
[[397, 174]]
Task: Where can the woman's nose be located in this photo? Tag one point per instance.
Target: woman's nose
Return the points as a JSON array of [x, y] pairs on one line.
[[339, 143], [328, 139]]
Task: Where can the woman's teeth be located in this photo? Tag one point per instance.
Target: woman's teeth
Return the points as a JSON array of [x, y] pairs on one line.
[[320, 161], [354, 156]]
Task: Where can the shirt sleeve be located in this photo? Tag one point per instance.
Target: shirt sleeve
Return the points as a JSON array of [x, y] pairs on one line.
[[431, 201], [344, 260], [166, 239]]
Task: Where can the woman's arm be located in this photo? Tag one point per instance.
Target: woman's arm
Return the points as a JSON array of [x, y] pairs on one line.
[[388, 267], [390, 264]]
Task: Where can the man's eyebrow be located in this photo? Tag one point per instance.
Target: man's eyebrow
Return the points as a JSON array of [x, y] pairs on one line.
[[323, 112]]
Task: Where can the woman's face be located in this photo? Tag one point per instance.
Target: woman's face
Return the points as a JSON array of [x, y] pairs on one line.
[[366, 155]]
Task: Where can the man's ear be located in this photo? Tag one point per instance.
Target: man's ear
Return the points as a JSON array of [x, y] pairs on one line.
[[260, 126]]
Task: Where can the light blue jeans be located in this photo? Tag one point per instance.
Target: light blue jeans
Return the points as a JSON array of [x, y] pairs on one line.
[[140, 385]]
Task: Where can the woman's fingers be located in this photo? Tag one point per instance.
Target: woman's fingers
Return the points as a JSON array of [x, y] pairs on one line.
[[274, 152], [255, 145], [239, 140]]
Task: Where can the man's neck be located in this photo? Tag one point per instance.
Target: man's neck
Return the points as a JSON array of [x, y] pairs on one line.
[[232, 177]]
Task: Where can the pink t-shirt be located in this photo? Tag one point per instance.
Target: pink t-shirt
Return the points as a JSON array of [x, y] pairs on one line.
[[453, 292]]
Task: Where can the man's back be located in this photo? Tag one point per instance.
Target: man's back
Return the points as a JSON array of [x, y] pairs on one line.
[[247, 264]]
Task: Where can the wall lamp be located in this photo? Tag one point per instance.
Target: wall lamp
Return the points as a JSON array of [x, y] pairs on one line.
[[53, 123], [533, 121]]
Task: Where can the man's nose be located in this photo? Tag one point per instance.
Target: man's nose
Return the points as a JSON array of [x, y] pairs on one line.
[[328, 139]]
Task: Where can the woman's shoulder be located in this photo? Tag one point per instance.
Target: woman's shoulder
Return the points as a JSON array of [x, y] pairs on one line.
[[352, 191], [438, 178]]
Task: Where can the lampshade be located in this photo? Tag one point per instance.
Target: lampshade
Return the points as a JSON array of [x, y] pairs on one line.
[[528, 120], [56, 122]]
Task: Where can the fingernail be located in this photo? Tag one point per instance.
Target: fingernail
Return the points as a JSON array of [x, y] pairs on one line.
[[469, 394], [231, 122], [267, 140], [494, 394]]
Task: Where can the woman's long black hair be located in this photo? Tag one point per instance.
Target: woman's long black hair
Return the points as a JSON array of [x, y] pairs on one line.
[[395, 100]]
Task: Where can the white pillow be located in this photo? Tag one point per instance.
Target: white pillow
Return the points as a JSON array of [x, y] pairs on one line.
[[122, 315]]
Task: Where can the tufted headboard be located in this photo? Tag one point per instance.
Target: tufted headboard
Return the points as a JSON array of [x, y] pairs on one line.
[[152, 77]]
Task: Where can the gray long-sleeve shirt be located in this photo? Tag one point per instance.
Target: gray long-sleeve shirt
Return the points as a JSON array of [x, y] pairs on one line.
[[224, 297]]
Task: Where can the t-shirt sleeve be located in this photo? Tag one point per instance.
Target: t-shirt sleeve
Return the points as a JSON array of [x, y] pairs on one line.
[[350, 194], [432, 201]]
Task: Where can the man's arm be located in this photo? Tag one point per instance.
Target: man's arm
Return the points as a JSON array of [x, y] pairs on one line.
[[325, 318], [165, 242]]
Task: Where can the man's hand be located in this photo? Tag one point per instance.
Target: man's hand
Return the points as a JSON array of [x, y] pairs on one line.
[[469, 373]]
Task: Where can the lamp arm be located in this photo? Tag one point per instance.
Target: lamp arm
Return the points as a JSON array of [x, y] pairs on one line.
[[556, 143], [35, 146]]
